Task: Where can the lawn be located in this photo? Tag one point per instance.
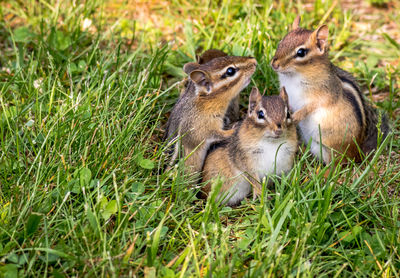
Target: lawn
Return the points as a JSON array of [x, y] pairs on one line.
[[86, 88]]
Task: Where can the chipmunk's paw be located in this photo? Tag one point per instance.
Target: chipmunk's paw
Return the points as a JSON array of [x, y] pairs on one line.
[[296, 117]]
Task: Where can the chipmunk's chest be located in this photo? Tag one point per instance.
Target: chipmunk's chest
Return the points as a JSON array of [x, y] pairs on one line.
[[296, 90], [273, 157]]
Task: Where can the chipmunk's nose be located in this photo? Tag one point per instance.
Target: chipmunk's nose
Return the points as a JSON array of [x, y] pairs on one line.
[[278, 130], [274, 64]]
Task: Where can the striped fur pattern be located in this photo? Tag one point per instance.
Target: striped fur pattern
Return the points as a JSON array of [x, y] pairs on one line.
[[233, 113], [327, 103], [264, 143], [196, 121]]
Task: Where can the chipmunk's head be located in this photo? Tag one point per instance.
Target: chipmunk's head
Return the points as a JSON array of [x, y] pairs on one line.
[[301, 50], [269, 114], [221, 74]]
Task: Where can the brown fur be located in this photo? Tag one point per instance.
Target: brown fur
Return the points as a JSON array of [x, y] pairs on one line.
[[197, 117], [346, 116]]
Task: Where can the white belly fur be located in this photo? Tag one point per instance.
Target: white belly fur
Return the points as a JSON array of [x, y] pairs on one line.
[[310, 126], [265, 164], [274, 158], [294, 89]]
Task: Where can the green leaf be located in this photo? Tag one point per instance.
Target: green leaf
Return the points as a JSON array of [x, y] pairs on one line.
[[75, 188], [244, 243], [32, 224], [57, 274], [59, 40], [146, 163], [29, 123], [356, 230], [167, 272], [103, 202], [49, 258], [110, 209], [23, 34], [81, 65], [13, 258], [23, 259], [9, 271], [92, 220], [138, 187], [346, 236], [372, 61], [63, 41], [72, 67], [85, 175]]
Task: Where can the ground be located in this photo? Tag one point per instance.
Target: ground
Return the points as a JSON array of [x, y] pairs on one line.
[[86, 88]]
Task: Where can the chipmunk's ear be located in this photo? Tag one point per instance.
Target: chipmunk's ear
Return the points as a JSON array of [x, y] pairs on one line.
[[201, 78], [283, 95], [189, 67], [319, 38], [255, 97], [296, 23]]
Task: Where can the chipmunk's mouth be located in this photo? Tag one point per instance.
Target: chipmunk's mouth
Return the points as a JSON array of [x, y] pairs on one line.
[[273, 136], [285, 71]]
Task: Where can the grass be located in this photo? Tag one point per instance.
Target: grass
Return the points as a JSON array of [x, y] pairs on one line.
[[81, 117]]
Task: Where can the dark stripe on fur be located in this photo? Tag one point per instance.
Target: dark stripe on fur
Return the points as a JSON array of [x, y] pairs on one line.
[[217, 145], [221, 90], [371, 115], [354, 103], [351, 83]]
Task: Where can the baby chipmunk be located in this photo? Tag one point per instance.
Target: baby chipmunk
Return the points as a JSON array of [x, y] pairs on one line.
[[326, 100], [264, 143], [196, 120]]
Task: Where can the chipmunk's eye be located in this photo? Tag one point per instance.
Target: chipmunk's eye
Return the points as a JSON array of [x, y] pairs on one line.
[[287, 115], [230, 71], [260, 114], [301, 52]]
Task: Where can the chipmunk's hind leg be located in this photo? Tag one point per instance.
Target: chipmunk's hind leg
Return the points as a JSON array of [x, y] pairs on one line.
[[321, 151], [171, 154]]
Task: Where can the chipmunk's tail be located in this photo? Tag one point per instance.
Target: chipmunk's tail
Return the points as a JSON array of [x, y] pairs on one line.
[[376, 123]]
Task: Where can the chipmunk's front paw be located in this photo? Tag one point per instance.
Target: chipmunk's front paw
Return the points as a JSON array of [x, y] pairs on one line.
[[224, 134], [297, 117]]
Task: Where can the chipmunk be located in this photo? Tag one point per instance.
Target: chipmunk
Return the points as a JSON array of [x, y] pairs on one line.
[[326, 100], [232, 114], [197, 117], [264, 143]]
